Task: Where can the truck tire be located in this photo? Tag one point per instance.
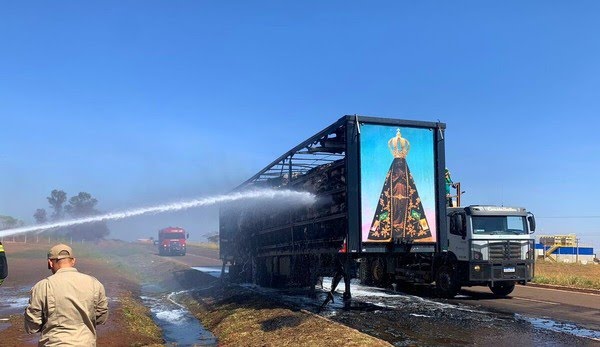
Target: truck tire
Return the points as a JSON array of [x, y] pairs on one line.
[[379, 273], [502, 288], [364, 272], [446, 283]]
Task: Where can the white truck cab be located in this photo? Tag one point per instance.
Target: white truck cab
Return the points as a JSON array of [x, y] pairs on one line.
[[491, 245]]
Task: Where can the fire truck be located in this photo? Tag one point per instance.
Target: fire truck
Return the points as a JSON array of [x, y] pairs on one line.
[[171, 241]]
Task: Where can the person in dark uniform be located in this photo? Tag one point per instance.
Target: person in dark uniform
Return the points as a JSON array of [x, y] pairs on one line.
[[3, 265]]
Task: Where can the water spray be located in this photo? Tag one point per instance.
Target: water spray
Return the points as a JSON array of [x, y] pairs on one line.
[[299, 197]]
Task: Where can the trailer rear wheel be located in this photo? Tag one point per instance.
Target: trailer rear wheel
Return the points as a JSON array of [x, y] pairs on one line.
[[502, 288], [364, 272], [446, 282], [379, 273]]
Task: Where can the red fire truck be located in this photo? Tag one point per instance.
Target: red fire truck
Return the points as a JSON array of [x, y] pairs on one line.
[[171, 241]]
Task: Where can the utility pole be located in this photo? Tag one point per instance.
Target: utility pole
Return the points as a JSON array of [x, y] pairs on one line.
[[577, 252]]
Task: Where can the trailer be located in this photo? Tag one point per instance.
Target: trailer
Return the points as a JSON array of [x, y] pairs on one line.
[[380, 215]]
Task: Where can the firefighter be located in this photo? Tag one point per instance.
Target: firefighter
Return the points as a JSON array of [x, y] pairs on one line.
[[66, 306], [3, 264]]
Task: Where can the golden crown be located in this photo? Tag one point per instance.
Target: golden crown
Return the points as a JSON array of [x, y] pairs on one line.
[[398, 145]]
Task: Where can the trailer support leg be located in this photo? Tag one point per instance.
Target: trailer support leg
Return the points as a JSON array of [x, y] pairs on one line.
[[223, 269], [314, 278]]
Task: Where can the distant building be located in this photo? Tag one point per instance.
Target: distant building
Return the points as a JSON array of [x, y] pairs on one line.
[[563, 248]]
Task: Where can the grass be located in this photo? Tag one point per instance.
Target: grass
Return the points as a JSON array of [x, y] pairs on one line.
[[569, 275], [139, 321], [208, 245], [241, 318]]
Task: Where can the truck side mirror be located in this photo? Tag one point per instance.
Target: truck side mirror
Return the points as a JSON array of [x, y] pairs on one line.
[[187, 236], [531, 220]]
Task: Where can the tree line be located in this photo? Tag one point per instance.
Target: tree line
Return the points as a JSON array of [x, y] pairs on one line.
[[61, 208]]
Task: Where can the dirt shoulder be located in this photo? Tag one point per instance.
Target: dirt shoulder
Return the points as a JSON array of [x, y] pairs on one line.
[[235, 315], [27, 265], [239, 317]]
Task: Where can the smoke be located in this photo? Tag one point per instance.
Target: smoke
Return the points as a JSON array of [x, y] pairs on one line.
[[262, 194]]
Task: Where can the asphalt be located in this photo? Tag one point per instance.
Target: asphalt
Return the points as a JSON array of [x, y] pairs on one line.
[[562, 305]]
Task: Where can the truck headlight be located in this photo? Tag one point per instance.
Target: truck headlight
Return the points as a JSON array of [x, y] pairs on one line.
[[477, 268]]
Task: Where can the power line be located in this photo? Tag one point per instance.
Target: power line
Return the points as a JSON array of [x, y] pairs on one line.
[[568, 217]]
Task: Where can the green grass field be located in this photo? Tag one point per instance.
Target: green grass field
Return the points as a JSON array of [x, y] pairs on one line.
[[569, 275]]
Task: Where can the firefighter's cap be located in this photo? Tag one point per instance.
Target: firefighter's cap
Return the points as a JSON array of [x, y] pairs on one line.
[[60, 251]]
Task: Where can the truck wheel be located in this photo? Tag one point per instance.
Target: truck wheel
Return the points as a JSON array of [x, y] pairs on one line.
[[379, 273], [365, 275], [446, 282], [502, 288]]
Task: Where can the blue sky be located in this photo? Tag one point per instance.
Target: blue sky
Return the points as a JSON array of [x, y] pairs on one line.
[[141, 102]]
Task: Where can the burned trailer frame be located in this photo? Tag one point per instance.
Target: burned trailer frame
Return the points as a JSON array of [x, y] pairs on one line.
[[293, 246]]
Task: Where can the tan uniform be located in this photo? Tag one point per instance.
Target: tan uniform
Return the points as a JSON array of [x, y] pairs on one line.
[[66, 307]]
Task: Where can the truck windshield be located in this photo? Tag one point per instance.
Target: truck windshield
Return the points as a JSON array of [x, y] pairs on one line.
[[499, 225]]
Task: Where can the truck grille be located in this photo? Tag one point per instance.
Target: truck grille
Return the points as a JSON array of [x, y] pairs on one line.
[[505, 250]]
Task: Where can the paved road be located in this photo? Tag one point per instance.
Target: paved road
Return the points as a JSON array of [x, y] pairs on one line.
[[559, 305]]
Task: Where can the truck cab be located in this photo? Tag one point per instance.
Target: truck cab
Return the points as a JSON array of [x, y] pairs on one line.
[[172, 241], [487, 245]]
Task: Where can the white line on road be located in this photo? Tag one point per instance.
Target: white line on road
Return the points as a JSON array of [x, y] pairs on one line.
[[560, 290], [543, 302], [201, 256]]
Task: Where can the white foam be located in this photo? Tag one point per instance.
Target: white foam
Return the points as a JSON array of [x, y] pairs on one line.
[[171, 316], [420, 315], [568, 328], [214, 271], [15, 302]]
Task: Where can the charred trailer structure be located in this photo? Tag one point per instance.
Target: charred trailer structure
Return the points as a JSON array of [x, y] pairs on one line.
[[380, 215]]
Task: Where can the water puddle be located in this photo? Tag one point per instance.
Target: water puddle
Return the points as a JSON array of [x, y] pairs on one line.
[[568, 328], [179, 326], [4, 323], [214, 271], [14, 300]]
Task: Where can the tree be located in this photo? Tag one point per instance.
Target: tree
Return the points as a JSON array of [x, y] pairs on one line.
[[214, 238], [40, 216], [81, 205], [8, 222], [56, 200], [84, 205]]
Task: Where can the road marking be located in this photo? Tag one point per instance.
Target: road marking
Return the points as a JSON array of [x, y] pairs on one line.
[[544, 302], [201, 256], [560, 290]]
